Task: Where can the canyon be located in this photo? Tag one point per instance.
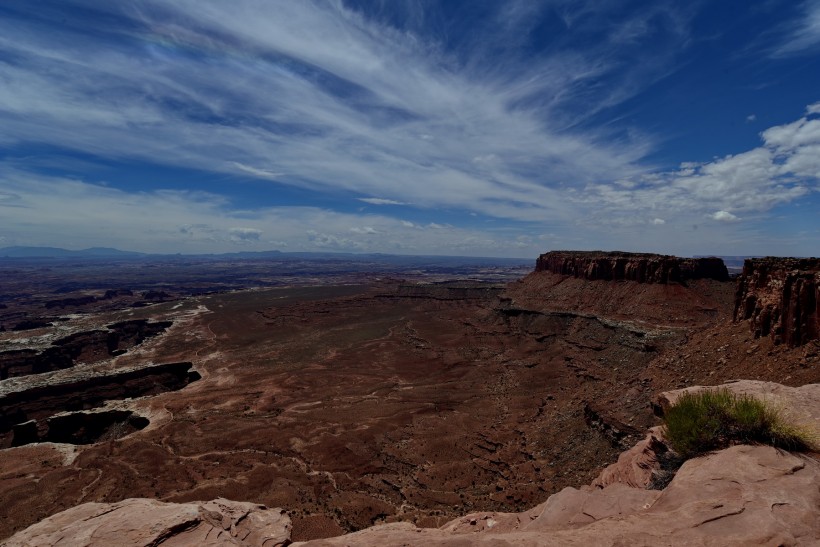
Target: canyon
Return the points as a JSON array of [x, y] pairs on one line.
[[384, 400]]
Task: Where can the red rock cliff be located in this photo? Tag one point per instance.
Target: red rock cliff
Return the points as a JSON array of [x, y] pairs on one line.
[[640, 267], [780, 297]]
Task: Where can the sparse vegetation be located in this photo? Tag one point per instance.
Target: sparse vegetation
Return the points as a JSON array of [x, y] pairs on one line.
[[710, 420]]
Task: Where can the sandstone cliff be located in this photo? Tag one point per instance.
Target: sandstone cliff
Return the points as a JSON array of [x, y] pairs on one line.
[[640, 267], [649, 289], [780, 297]]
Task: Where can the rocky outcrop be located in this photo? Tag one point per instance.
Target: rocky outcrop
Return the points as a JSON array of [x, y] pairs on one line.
[[116, 293], [156, 296], [639, 267], [638, 466], [780, 297], [141, 522]]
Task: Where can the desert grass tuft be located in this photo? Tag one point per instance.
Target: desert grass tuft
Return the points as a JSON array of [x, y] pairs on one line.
[[714, 419]]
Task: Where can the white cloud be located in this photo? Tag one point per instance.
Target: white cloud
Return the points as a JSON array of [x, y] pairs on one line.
[[784, 169], [257, 93], [261, 173], [45, 213], [724, 216], [803, 34], [750, 118], [330, 241], [381, 201], [658, 221], [363, 230], [245, 234], [317, 96]]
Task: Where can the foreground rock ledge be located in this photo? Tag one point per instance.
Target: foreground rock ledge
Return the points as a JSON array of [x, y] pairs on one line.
[[745, 495], [145, 522]]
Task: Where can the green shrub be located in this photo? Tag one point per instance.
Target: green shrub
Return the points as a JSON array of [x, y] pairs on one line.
[[713, 419]]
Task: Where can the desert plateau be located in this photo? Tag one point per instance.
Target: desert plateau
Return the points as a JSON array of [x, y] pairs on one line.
[[407, 397]]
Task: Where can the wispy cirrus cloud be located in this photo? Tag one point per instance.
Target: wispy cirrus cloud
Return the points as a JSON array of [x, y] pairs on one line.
[[319, 96], [498, 113], [381, 201], [801, 35]]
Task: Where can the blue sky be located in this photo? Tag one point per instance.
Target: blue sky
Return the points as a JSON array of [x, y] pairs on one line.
[[491, 128]]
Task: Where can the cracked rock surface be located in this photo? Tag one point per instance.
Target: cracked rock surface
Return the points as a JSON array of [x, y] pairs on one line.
[[144, 522]]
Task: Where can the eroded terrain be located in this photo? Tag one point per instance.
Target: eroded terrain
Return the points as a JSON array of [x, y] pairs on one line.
[[361, 403]]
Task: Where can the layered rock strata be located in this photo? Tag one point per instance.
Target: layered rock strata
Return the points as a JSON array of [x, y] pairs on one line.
[[639, 267], [780, 297]]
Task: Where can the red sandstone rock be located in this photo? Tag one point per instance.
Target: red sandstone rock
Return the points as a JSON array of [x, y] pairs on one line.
[[780, 297], [636, 466], [141, 522], [640, 267]]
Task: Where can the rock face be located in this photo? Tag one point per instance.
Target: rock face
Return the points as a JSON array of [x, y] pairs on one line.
[[639, 267], [780, 297], [141, 522]]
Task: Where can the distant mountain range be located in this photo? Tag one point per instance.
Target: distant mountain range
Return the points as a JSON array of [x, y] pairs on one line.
[[381, 258], [56, 252]]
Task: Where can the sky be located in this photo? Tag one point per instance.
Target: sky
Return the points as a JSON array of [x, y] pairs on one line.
[[476, 127]]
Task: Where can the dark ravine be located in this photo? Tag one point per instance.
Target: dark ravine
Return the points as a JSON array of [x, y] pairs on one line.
[[79, 427], [780, 297], [88, 347], [43, 401], [639, 267]]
